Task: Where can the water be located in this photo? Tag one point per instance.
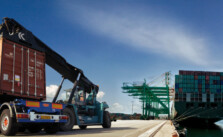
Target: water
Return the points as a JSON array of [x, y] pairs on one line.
[[214, 131]]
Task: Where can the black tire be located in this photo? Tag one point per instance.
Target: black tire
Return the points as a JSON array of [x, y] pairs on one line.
[[83, 127], [34, 128], [106, 120], [51, 129], [70, 122], [8, 124]]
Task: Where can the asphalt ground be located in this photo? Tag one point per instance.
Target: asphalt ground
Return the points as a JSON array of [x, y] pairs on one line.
[[120, 128]]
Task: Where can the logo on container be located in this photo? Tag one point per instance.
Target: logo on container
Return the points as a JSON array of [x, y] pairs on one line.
[[21, 36]]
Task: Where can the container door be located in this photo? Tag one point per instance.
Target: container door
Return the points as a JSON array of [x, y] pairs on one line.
[[18, 70], [30, 77], [12, 68], [40, 75], [35, 77]]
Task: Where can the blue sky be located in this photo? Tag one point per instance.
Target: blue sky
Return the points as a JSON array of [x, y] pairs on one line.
[[124, 41]]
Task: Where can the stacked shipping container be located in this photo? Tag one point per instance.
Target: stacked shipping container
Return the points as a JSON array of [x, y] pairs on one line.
[[201, 86]]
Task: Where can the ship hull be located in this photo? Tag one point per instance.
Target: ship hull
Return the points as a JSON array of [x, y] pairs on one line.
[[197, 113]]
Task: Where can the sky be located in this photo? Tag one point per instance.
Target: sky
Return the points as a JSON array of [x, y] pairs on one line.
[[124, 41]]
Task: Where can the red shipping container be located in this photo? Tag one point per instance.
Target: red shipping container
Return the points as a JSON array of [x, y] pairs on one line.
[[195, 77], [196, 73], [208, 73], [22, 71], [180, 72], [214, 73]]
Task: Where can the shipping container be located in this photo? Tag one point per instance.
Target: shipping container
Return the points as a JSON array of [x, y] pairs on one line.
[[22, 71]]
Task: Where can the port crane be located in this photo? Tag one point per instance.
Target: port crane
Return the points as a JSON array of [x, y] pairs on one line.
[[155, 99]]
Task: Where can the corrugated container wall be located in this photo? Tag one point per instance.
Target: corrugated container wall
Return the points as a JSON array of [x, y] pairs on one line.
[[22, 71]]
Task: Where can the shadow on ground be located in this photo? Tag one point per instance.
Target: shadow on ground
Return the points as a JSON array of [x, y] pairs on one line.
[[76, 131]]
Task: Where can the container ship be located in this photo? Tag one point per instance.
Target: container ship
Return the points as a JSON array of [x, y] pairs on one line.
[[198, 97]]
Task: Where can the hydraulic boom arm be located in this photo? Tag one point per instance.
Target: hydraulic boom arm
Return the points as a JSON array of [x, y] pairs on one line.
[[13, 31]]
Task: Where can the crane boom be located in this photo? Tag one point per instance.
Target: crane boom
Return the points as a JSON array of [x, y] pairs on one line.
[[13, 31]]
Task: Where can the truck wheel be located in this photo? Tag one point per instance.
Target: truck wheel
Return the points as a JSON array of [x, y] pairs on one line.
[[51, 129], [34, 128], [106, 120], [83, 127], [70, 121], [8, 124]]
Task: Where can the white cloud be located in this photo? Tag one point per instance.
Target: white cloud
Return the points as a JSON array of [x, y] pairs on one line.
[[100, 95], [50, 92], [145, 32], [116, 108], [137, 107]]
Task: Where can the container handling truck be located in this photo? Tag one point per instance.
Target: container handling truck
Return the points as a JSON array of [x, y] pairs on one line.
[[22, 87]]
